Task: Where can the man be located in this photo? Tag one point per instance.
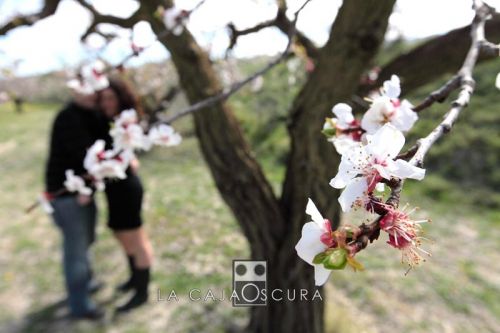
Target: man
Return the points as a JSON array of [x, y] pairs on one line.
[[75, 129]]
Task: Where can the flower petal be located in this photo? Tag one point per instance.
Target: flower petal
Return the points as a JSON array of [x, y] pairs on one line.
[[392, 87], [344, 114], [343, 144], [386, 142], [313, 211], [321, 275], [403, 170], [405, 117], [310, 244], [351, 162], [354, 191], [373, 118]]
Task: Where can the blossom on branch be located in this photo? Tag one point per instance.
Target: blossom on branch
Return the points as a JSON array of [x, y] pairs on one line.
[[164, 135], [388, 108], [174, 19], [363, 167], [344, 131], [316, 238], [129, 137], [101, 163], [91, 79], [324, 249], [404, 235], [94, 75], [142, 36], [75, 183], [44, 202]]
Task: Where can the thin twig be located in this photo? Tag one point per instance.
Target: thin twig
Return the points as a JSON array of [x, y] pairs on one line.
[[225, 94]]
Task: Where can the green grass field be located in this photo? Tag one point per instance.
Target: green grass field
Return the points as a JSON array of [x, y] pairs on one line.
[[195, 239]]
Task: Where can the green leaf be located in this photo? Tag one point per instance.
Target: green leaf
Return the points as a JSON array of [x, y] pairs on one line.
[[337, 259], [319, 258], [329, 132]]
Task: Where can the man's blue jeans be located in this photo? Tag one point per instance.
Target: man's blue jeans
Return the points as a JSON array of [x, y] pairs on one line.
[[77, 224]]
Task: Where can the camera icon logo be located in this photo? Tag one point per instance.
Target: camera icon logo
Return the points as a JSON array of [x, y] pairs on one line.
[[249, 283]]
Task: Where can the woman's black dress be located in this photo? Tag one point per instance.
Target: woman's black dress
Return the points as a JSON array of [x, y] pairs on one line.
[[124, 197]]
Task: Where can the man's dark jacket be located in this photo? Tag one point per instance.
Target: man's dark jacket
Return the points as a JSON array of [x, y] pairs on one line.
[[75, 129]]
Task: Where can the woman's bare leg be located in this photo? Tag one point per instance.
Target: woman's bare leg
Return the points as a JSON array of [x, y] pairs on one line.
[[136, 243]]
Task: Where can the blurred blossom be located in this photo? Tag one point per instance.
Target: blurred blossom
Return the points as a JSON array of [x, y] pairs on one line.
[[76, 183], [388, 108], [142, 35]]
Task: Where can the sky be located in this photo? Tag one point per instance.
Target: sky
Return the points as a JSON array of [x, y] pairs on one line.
[[54, 43]]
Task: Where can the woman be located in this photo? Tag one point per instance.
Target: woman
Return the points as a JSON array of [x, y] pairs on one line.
[[125, 200]]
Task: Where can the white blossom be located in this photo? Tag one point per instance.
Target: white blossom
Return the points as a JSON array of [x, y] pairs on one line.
[[173, 20], [43, 201], [164, 135], [95, 42], [142, 35], [80, 87], [101, 163], [127, 134], [362, 168], [388, 108], [129, 137], [111, 168], [310, 243], [126, 118], [75, 183], [343, 130], [94, 154], [94, 76], [497, 83]]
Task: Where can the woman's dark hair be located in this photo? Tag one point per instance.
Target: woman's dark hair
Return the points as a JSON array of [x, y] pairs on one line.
[[127, 99]]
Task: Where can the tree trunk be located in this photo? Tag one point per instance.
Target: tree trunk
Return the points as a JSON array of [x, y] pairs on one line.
[[272, 226]]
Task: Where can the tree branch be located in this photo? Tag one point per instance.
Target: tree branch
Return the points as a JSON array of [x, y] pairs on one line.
[[438, 56], [238, 85], [281, 22], [49, 8], [98, 18]]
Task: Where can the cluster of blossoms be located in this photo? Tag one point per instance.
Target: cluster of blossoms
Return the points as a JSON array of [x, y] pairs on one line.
[[345, 132], [142, 36], [128, 136], [91, 78], [174, 19], [369, 148]]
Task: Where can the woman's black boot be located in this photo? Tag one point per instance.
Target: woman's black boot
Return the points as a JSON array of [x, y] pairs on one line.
[[141, 283], [129, 284]]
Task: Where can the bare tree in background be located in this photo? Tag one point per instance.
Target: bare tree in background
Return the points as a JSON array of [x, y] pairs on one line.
[[272, 221]]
